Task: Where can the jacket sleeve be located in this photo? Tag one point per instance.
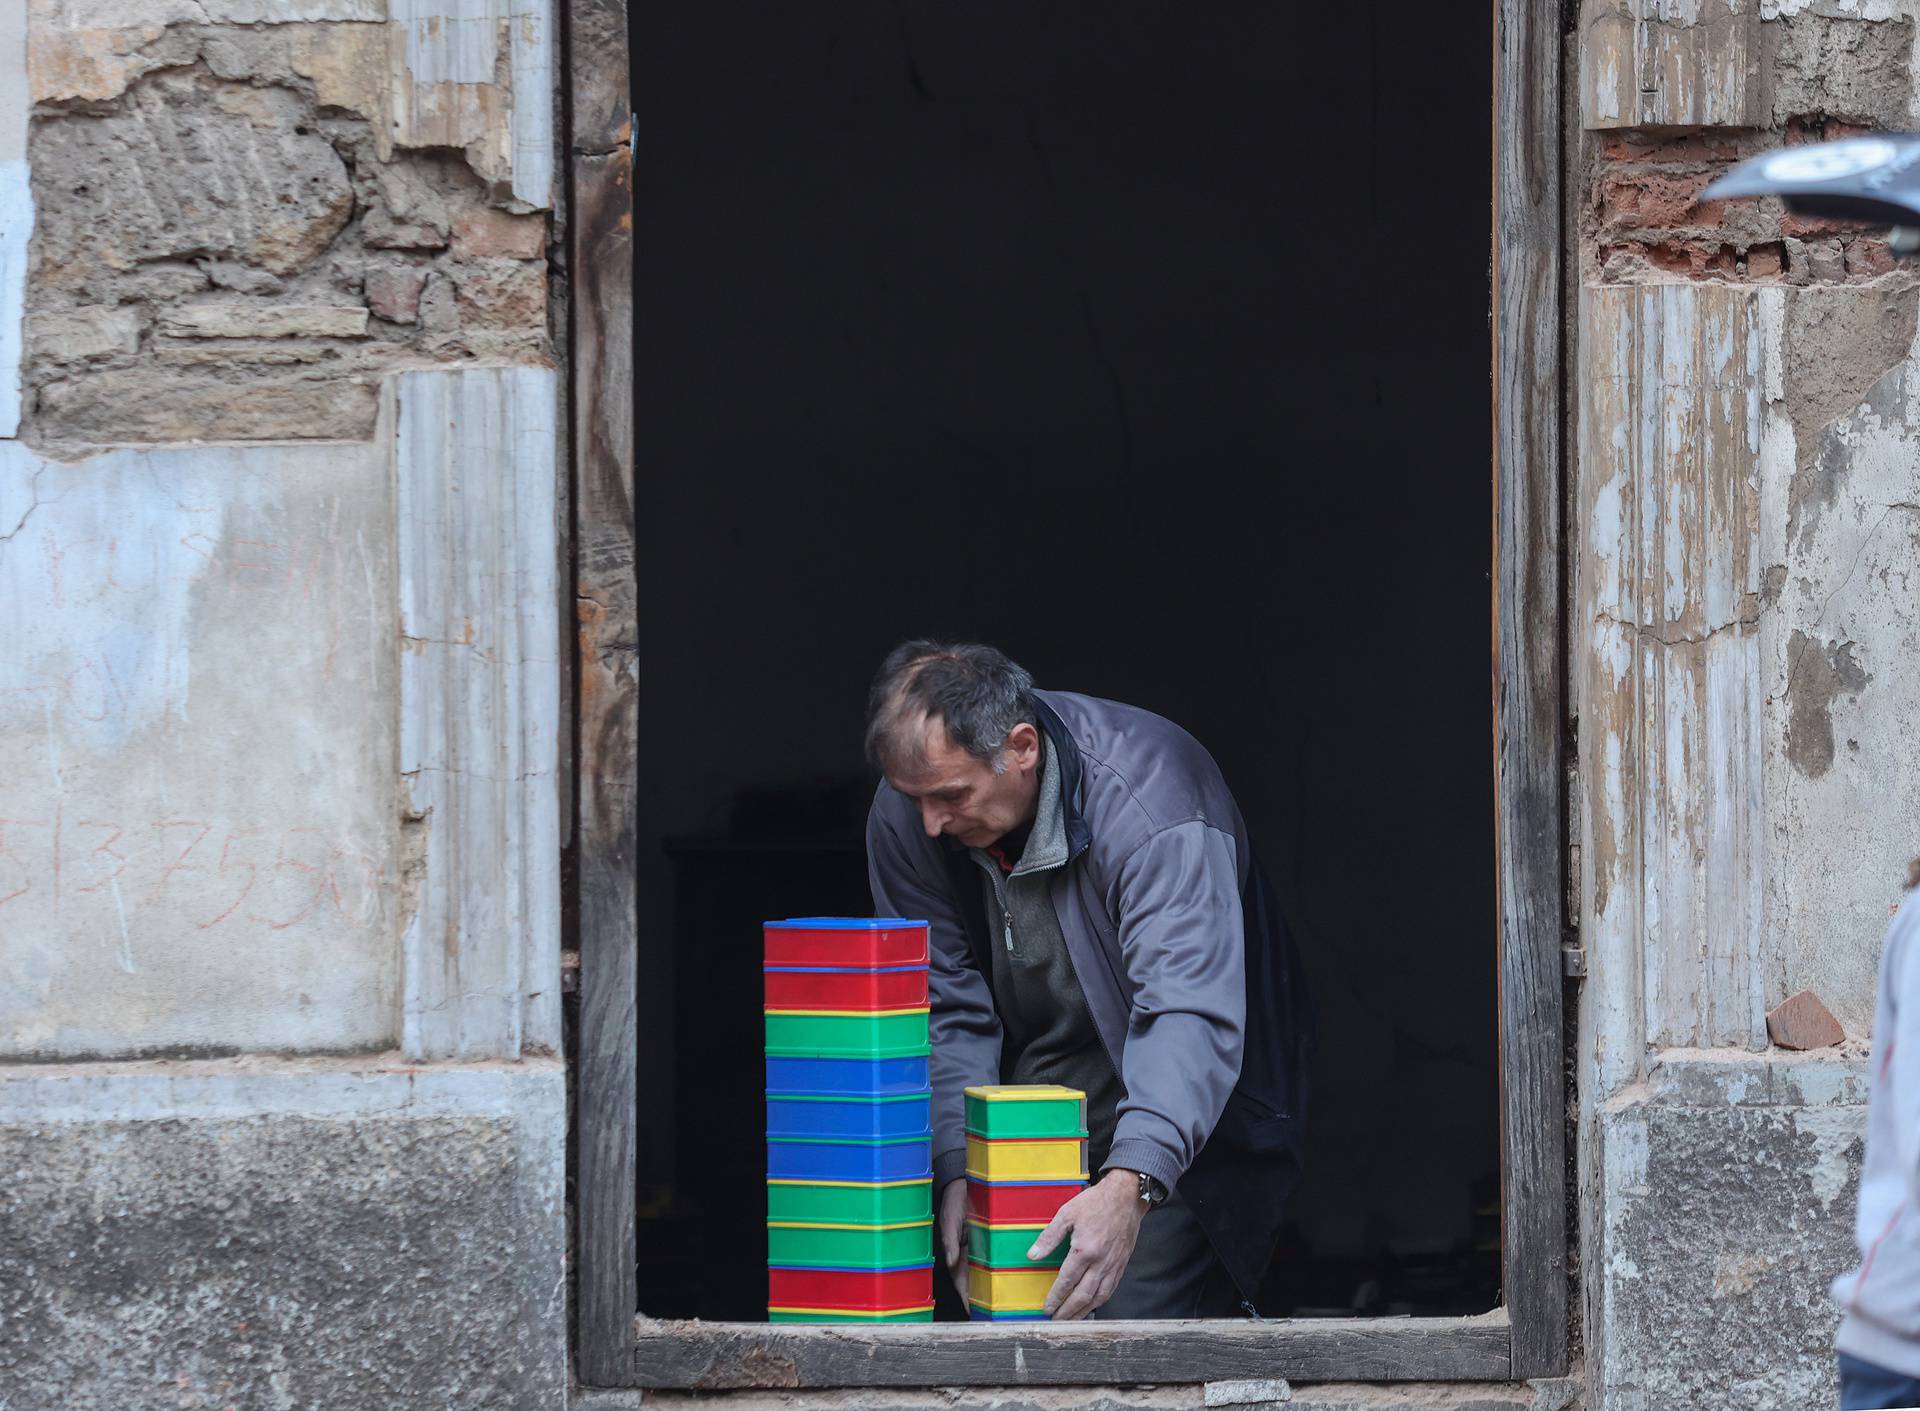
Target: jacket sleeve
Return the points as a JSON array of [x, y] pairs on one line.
[[907, 879], [1177, 900]]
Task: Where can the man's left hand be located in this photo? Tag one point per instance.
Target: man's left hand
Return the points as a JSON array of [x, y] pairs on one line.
[[1105, 1221]]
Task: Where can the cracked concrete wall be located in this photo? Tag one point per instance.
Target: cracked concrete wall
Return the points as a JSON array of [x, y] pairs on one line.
[[280, 1234], [1730, 1185], [1742, 653]]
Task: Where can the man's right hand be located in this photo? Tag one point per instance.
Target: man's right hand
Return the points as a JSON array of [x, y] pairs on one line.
[[953, 1233]]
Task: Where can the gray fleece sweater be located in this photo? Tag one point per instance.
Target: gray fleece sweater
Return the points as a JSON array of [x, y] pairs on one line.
[[1881, 1298]]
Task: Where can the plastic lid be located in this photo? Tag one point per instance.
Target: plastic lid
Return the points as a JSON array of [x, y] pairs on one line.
[[842, 923], [1026, 1092]]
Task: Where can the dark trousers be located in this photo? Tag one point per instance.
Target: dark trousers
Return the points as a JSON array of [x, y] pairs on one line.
[[1174, 1272], [1867, 1387]]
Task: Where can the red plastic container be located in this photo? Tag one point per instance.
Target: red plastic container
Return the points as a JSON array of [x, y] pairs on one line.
[[840, 941], [863, 989], [859, 1290], [997, 1203]]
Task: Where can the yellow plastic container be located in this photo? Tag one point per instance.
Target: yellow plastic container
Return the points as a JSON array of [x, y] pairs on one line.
[[1027, 1160], [1009, 1290]]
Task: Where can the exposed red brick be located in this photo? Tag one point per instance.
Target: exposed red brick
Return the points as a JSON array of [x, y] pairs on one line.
[[1802, 1022], [1672, 256], [393, 292], [1800, 227], [1867, 258], [1766, 261], [1656, 199]]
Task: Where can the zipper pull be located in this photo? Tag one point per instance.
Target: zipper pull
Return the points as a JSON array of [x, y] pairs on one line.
[[1009, 921]]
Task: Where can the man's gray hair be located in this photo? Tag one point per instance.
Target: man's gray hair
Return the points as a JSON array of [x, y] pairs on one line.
[[976, 691]]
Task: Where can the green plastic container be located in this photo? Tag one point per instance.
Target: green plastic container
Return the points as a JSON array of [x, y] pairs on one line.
[[814, 1034], [849, 1203], [1006, 1246], [849, 1246], [1031, 1115], [922, 1315]]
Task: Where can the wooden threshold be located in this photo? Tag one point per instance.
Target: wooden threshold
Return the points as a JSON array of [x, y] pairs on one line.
[[698, 1356]]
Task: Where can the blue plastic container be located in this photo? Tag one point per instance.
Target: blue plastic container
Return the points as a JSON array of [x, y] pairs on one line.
[[910, 1159], [856, 1077], [803, 1115]]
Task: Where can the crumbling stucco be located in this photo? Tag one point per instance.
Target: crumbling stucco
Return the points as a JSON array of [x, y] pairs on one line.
[[1816, 676], [1838, 349], [1840, 65], [242, 224], [1841, 648], [1746, 539]]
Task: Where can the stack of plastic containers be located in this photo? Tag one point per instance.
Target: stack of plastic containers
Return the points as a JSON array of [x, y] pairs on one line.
[[1026, 1157], [849, 1137]]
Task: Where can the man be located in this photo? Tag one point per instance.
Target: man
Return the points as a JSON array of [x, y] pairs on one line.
[[1097, 920]]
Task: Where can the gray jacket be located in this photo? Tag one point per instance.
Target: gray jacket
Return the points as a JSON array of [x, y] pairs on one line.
[[1153, 904]]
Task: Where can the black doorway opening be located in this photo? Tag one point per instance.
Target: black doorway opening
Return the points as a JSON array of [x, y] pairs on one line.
[[1149, 342]]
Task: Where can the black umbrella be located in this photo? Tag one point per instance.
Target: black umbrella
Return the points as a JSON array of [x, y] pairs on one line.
[[1875, 180]]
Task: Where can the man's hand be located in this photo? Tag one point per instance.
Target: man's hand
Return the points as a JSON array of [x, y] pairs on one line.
[[1105, 1222], [953, 1233]]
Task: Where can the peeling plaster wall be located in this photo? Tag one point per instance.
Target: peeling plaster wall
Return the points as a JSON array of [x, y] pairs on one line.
[[279, 706], [1841, 534], [1748, 648], [1743, 658], [1747, 472]]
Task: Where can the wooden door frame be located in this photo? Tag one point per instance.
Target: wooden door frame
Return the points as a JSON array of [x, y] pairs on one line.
[[1526, 1336]]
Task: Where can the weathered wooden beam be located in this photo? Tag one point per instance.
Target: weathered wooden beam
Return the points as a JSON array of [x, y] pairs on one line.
[[1648, 64], [606, 682], [1528, 676], [715, 1356], [598, 69]]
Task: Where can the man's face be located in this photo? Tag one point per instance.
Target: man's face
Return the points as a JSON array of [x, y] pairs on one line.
[[962, 797]]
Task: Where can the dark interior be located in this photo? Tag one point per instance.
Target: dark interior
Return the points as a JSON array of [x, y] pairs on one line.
[[1148, 342]]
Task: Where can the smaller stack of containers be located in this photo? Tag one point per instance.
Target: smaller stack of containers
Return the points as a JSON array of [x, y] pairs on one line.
[[849, 1137], [1026, 1157]]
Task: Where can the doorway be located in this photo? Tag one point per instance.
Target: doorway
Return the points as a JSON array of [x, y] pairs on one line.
[[1136, 340]]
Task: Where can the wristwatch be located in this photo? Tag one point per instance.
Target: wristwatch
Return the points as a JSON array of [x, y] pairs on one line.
[[1152, 1194]]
